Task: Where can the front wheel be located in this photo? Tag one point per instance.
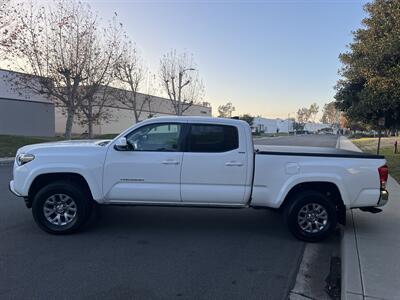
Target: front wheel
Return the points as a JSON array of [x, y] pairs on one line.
[[61, 207], [311, 216]]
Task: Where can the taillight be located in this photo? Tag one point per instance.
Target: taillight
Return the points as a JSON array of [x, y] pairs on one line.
[[383, 175]]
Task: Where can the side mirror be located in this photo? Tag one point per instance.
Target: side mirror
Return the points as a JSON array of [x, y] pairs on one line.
[[121, 144]]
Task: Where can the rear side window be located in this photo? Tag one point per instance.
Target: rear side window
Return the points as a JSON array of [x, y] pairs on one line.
[[213, 138]]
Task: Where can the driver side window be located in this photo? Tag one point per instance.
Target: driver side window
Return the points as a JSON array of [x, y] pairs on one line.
[[156, 137]]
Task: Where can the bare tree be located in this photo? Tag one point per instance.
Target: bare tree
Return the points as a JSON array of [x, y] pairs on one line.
[[225, 111], [180, 81], [99, 97], [60, 45], [8, 26], [151, 91], [96, 109], [303, 115], [130, 74]]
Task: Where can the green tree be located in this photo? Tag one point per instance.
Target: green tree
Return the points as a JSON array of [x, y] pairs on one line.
[[370, 85], [330, 114], [247, 118], [313, 111]]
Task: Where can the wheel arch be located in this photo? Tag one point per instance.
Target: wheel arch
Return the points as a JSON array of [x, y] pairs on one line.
[[43, 179], [329, 189]]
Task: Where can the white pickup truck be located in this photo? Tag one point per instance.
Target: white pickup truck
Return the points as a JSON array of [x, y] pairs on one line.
[[199, 162]]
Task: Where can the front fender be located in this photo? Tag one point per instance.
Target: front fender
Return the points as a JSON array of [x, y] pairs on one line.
[[92, 176]]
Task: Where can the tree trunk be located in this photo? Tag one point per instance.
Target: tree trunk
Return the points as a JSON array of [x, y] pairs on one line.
[[90, 119], [69, 123], [90, 129], [379, 142]]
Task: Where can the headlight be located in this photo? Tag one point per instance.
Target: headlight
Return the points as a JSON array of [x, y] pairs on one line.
[[24, 158]]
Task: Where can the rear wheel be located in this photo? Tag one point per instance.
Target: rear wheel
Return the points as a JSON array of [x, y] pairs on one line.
[[61, 207], [311, 216]]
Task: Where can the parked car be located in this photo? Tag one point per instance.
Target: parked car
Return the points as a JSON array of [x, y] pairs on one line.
[[197, 162]]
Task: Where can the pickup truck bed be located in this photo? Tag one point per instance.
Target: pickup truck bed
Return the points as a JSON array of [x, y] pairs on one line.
[[312, 151]]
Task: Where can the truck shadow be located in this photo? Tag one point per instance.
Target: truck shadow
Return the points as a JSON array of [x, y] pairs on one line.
[[183, 220]]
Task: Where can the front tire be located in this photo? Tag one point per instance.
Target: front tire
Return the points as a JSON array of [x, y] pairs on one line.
[[311, 216], [61, 207]]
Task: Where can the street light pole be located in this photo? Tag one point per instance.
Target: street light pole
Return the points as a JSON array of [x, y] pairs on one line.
[[180, 87]]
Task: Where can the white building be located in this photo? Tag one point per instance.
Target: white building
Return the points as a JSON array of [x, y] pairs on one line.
[[315, 127], [273, 126], [264, 125]]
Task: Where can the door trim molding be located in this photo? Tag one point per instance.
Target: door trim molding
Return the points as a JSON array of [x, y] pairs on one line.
[[181, 204]]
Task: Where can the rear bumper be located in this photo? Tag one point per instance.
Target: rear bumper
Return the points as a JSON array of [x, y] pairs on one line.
[[383, 198]]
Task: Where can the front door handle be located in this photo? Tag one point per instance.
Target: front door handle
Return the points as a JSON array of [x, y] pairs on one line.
[[170, 162], [233, 164]]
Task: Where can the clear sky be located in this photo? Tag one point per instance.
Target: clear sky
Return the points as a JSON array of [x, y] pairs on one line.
[[268, 58]]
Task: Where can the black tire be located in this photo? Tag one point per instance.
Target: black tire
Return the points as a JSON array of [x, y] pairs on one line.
[[77, 193], [297, 219]]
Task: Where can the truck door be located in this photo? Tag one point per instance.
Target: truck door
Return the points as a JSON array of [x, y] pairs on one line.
[[214, 166], [150, 171]]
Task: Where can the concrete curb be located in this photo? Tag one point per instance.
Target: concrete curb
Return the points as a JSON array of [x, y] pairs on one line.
[[338, 142], [7, 160], [314, 269], [351, 282]]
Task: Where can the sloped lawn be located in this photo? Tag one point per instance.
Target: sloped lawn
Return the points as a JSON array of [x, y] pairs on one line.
[[393, 160]]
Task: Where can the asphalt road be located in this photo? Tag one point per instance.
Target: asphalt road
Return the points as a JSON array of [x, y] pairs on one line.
[[148, 253]]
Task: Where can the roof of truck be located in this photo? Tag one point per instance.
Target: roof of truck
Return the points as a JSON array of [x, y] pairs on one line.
[[196, 119]]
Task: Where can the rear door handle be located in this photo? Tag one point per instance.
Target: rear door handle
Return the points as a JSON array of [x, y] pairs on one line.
[[233, 164], [170, 162]]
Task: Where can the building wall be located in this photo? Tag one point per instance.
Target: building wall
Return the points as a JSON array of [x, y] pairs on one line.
[[30, 118], [272, 125], [23, 112], [315, 127], [285, 125]]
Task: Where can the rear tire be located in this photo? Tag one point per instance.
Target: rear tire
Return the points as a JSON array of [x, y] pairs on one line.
[[61, 207], [311, 216]]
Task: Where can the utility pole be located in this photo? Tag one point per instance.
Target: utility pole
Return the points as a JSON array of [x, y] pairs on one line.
[[381, 122], [180, 87]]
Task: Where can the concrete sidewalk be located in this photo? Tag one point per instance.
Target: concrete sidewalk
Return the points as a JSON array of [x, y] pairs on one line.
[[371, 248]]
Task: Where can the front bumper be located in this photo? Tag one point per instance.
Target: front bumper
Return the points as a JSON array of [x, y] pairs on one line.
[[28, 201], [383, 198], [12, 190]]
